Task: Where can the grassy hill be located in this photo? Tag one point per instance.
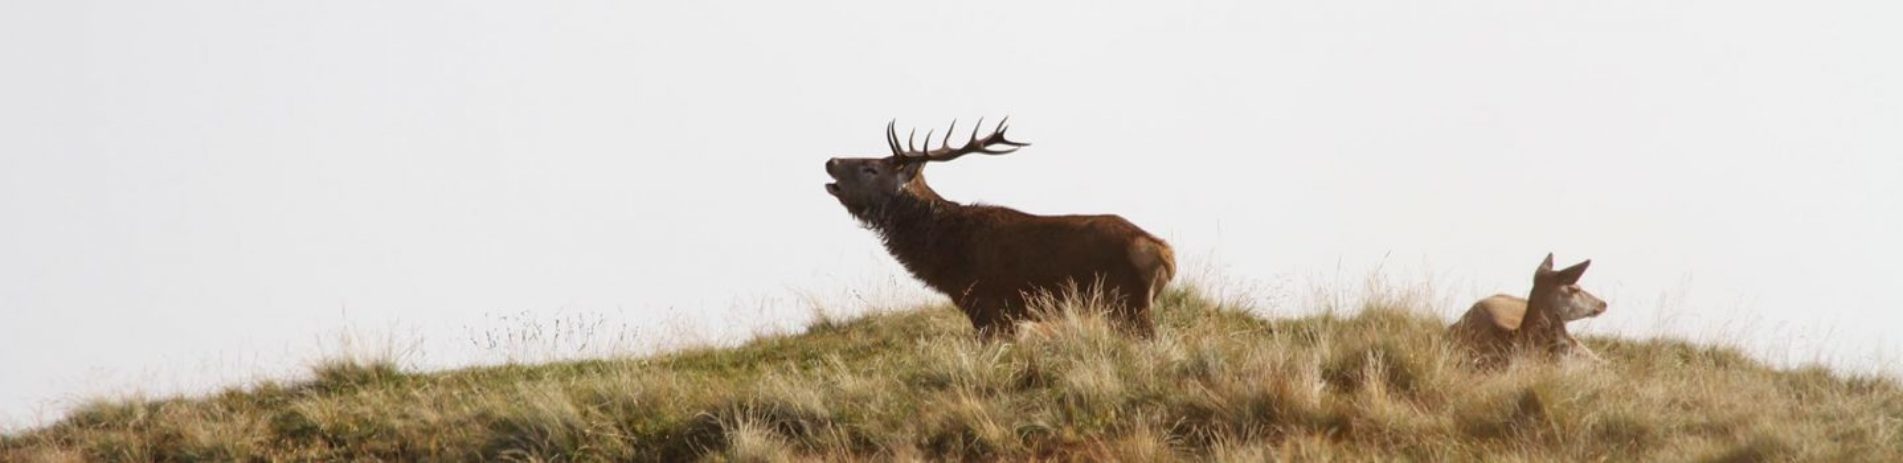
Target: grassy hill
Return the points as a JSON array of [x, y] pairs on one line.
[[1218, 383]]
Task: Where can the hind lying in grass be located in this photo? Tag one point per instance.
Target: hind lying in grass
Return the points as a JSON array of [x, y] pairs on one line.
[[1498, 326], [1215, 383]]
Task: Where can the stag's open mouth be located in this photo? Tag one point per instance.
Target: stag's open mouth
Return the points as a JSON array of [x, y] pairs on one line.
[[832, 188]]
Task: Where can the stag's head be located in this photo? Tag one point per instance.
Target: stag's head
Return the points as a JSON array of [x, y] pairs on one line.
[[864, 183], [1559, 289]]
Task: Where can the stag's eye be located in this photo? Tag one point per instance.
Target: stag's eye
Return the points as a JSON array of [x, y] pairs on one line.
[[870, 171]]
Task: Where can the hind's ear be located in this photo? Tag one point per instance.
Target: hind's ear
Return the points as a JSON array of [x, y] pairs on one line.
[[1570, 276], [1546, 266]]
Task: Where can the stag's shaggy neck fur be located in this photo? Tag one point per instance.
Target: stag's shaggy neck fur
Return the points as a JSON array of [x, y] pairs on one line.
[[924, 231]]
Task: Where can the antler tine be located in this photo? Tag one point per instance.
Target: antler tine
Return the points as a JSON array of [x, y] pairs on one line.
[[892, 137], [908, 140], [996, 138], [1003, 126], [974, 132], [997, 133], [992, 144], [946, 143]]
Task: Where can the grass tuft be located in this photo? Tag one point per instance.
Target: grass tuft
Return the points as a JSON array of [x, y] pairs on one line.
[[339, 376]]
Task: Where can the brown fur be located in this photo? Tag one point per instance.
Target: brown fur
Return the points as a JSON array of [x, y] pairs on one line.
[[1498, 326], [991, 260]]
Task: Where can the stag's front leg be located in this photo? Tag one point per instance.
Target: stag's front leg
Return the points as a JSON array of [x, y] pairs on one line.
[[986, 317]]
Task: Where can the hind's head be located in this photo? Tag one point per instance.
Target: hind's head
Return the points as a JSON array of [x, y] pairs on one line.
[[1559, 290]]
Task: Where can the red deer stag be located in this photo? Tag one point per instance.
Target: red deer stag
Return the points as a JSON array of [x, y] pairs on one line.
[[988, 259], [1497, 326]]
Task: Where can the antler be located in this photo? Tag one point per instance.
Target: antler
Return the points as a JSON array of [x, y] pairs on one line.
[[945, 152]]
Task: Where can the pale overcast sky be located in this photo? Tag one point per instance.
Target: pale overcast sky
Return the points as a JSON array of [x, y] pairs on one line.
[[195, 194]]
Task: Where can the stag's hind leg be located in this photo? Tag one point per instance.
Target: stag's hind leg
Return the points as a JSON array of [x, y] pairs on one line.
[[1155, 265], [1133, 302], [1140, 322]]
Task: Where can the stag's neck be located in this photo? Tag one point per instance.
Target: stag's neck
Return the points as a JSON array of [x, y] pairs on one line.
[[923, 191], [926, 233]]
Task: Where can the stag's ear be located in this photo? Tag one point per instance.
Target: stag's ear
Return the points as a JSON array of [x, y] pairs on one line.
[[906, 171], [1570, 276]]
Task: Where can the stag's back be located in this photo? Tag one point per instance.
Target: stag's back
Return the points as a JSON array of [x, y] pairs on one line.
[[1045, 251]]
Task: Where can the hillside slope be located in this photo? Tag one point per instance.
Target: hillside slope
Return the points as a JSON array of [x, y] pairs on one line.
[[1216, 384]]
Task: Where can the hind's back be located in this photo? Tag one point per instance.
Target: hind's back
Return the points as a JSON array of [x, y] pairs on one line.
[[1490, 321]]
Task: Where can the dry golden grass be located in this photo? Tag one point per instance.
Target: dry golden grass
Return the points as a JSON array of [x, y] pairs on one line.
[[1218, 383]]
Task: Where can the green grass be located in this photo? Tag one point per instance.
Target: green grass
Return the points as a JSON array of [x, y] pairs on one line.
[[1377, 383]]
